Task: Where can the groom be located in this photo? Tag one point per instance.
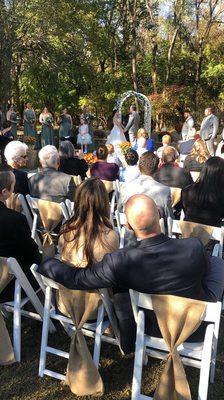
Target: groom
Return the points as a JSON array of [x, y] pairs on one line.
[[132, 126]]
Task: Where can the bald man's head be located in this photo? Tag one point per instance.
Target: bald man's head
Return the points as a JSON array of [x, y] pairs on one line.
[[143, 215]]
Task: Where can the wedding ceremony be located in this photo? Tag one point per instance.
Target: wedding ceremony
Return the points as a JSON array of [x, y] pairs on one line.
[[112, 199]]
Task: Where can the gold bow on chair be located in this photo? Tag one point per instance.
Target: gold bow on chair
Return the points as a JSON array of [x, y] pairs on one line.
[[6, 350], [82, 375], [51, 215], [178, 318]]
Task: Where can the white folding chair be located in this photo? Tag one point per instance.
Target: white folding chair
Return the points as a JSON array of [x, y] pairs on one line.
[[121, 221], [17, 305], [33, 204], [95, 330], [199, 355], [217, 234]]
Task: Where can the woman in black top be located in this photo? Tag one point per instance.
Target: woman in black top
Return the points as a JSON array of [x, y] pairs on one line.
[[69, 163], [203, 200]]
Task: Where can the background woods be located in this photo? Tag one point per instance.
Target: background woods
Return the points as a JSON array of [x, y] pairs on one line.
[[76, 53]]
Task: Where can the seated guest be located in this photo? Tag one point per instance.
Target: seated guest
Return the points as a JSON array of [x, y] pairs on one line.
[[143, 143], [146, 184], [131, 172], [169, 174], [69, 163], [156, 265], [166, 140], [112, 156], [198, 156], [51, 184], [16, 156], [91, 219], [15, 235], [203, 200], [186, 146], [220, 149], [102, 169]]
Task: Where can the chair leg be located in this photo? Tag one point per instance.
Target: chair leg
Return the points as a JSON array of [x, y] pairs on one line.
[[44, 336], [98, 334], [205, 364], [139, 356], [17, 322]]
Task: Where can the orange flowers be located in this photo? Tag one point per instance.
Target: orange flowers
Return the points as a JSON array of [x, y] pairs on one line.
[[90, 158], [125, 146]]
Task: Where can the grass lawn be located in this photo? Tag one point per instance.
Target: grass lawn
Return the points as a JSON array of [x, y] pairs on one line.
[[21, 381]]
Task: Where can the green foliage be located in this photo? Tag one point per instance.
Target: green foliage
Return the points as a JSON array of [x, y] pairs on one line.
[[75, 53]]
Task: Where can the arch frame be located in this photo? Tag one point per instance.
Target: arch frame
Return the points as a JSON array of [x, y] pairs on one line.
[[143, 99]]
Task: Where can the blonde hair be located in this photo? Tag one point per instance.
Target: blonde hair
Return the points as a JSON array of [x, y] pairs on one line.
[[142, 133], [166, 139], [110, 148], [199, 151]]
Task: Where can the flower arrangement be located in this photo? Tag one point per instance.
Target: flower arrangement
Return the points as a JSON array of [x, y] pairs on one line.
[[90, 158], [29, 140], [31, 121], [125, 146], [48, 120]]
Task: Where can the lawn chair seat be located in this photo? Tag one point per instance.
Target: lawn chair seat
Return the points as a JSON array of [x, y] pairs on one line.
[[177, 318], [79, 306], [17, 305]]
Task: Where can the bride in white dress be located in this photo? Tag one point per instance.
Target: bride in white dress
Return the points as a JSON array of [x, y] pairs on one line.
[[116, 135]]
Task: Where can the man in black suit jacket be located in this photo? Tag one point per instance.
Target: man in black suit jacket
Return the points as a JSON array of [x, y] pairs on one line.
[[156, 264], [15, 235], [172, 175]]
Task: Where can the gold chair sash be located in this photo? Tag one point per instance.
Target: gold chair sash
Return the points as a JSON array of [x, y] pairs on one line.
[[178, 318], [14, 203], [82, 375], [6, 350], [175, 195], [51, 215], [192, 229]]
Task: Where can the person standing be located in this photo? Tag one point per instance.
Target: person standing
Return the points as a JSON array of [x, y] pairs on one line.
[[187, 125], [116, 135], [209, 129], [14, 120], [29, 121], [47, 134], [66, 124], [84, 137], [132, 126]]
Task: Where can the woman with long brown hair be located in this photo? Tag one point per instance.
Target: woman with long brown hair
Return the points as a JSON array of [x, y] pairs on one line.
[[88, 235]]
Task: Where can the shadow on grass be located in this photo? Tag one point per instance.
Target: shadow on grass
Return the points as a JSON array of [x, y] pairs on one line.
[[21, 381]]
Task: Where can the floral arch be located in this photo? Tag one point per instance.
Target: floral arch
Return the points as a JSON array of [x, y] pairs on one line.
[[143, 99]]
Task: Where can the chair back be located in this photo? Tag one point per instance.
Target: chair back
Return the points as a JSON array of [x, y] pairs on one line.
[[178, 318], [203, 232]]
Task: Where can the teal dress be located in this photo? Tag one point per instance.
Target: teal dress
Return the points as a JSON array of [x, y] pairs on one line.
[[29, 122], [65, 125], [14, 121], [47, 133]]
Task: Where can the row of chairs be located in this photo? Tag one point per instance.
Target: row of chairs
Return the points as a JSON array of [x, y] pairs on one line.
[[201, 355]]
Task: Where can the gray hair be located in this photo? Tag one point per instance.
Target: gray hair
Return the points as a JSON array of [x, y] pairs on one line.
[[48, 156], [66, 149], [14, 150]]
